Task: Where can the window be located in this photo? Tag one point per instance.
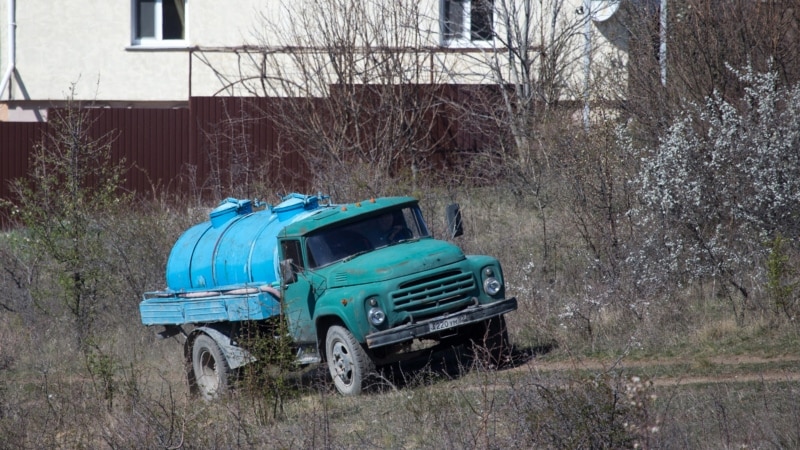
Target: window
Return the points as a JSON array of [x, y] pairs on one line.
[[155, 21], [349, 240], [290, 250], [467, 21]]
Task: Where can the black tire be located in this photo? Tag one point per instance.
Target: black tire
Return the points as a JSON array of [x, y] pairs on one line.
[[489, 343], [211, 370], [348, 363]]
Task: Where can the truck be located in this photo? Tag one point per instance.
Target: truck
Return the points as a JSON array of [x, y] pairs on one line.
[[358, 286]]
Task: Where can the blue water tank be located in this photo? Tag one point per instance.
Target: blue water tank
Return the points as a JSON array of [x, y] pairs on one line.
[[236, 246]]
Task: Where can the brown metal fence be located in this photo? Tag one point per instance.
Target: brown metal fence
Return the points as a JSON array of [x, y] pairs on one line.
[[16, 142], [215, 142], [176, 150], [154, 143], [238, 141]]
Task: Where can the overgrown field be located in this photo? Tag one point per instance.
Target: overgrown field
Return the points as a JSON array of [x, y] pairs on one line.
[[656, 276], [124, 388]]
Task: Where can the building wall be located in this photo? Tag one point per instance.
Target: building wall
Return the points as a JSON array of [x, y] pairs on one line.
[[87, 43], [82, 49]]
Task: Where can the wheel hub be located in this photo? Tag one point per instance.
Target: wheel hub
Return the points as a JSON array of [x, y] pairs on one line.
[[208, 375], [342, 362]]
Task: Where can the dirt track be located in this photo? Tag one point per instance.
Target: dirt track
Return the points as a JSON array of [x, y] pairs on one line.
[[735, 369]]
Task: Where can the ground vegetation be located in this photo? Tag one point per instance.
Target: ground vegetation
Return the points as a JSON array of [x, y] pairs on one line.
[[654, 254]]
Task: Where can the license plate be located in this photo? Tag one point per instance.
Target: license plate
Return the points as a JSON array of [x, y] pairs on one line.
[[446, 323]]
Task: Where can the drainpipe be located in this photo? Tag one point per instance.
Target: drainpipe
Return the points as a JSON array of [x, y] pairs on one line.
[[662, 49], [12, 46], [587, 60]]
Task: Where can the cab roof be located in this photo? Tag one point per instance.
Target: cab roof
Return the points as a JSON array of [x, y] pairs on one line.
[[326, 215]]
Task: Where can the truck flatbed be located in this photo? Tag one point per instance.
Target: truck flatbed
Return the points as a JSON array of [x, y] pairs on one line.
[[205, 306]]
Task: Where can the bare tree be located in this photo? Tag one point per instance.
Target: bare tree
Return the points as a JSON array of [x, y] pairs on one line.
[[703, 37], [73, 177], [353, 87], [538, 63], [533, 57]]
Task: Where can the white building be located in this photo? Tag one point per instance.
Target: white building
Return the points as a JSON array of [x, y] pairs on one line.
[[159, 53]]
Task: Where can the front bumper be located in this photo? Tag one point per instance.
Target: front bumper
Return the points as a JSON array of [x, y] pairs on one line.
[[473, 314]]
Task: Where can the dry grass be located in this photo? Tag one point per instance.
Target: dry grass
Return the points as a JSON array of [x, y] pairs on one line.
[[49, 397]]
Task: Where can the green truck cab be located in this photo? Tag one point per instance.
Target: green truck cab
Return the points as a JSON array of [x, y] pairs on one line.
[[357, 284]]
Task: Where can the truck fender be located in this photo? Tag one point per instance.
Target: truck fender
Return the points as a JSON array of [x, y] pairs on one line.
[[235, 355], [329, 316]]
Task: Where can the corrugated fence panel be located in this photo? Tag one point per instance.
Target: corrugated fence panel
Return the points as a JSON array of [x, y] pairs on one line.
[[239, 139], [219, 143], [150, 141], [154, 144], [17, 141]]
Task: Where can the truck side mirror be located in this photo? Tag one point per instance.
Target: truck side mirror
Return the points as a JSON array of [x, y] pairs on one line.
[[454, 225], [288, 275]]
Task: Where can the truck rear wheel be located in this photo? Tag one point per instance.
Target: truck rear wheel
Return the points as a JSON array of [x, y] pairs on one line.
[[348, 363], [211, 371]]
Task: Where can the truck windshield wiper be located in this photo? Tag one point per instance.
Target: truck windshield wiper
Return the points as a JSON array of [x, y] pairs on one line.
[[354, 255], [403, 241]]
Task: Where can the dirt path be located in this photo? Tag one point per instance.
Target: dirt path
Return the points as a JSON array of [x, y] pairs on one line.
[[735, 369]]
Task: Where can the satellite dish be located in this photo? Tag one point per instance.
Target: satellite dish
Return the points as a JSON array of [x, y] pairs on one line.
[[602, 10]]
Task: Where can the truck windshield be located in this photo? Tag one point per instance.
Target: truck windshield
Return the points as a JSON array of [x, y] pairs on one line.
[[380, 230]]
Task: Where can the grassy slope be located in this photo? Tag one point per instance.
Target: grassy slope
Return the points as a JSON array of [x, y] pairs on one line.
[[707, 379]]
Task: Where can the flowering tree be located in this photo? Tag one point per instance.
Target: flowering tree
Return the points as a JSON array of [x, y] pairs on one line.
[[722, 183]]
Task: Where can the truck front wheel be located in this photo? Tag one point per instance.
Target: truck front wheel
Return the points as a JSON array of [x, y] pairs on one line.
[[210, 367], [348, 363], [489, 342]]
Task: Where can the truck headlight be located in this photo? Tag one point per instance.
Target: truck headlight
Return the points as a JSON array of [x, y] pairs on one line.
[[376, 316], [492, 285]]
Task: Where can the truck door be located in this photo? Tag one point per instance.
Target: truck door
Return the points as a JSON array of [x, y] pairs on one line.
[[298, 292]]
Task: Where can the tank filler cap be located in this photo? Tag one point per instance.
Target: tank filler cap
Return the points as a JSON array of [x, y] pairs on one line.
[[228, 209], [295, 203]]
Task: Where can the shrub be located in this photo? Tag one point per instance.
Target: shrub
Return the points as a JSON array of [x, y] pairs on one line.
[[724, 178], [73, 181]]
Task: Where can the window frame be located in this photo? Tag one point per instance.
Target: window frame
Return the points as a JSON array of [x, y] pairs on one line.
[[157, 41], [465, 38], [293, 249]]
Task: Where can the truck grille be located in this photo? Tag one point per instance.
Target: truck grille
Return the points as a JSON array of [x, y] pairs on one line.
[[438, 293]]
